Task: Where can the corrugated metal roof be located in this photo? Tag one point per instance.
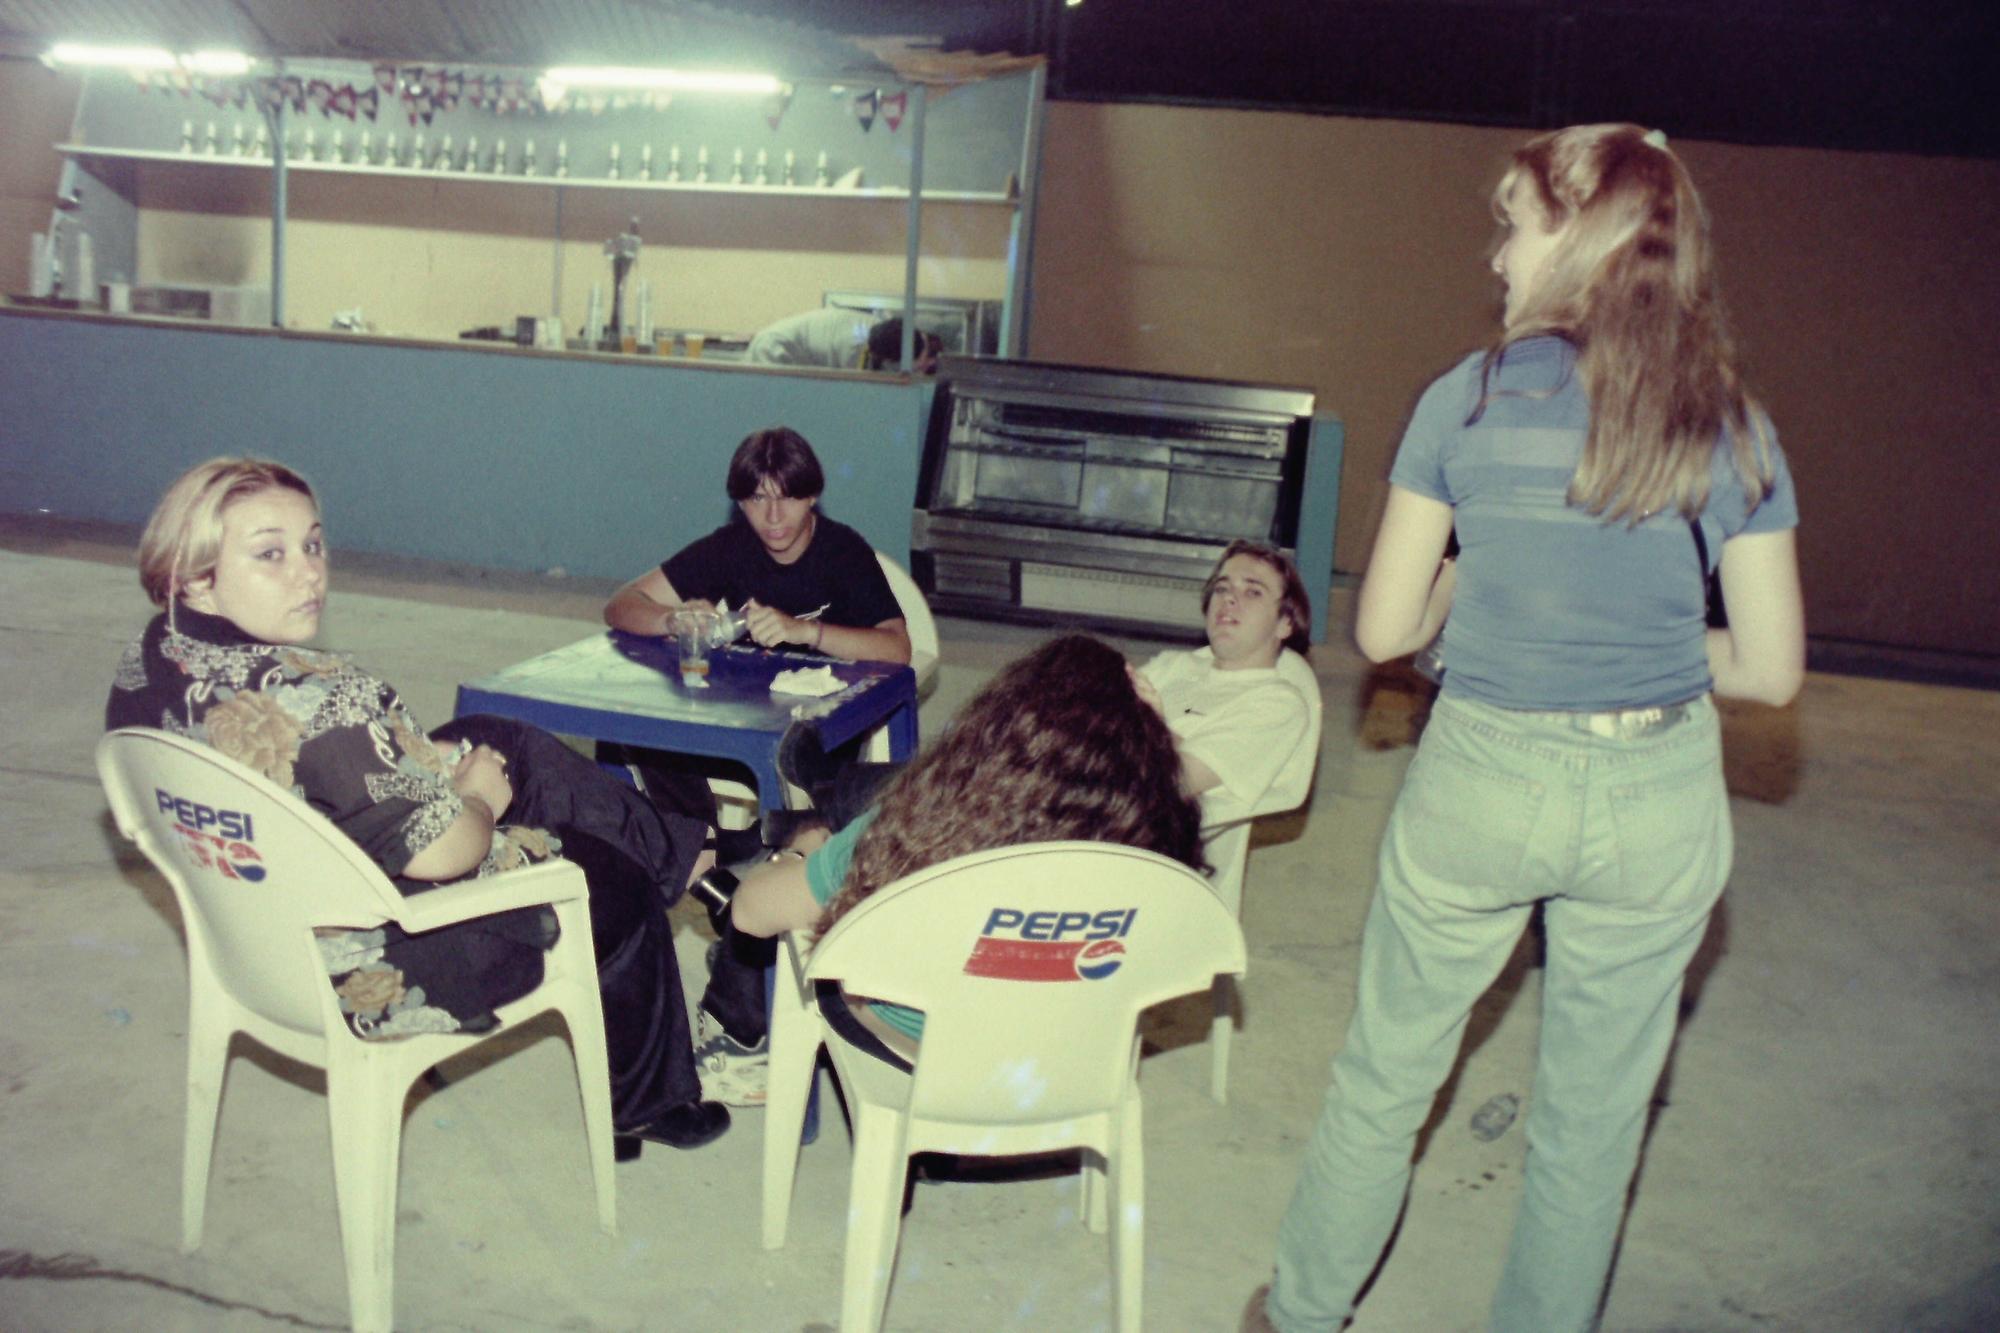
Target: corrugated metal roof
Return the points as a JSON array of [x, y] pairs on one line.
[[529, 33]]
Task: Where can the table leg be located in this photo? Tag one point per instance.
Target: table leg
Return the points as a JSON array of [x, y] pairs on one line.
[[903, 733]]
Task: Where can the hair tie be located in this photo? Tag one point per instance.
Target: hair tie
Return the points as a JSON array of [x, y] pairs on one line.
[[1655, 139]]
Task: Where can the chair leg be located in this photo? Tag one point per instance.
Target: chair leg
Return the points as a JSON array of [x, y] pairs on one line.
[[1127, 1169], [795, 1043], [208, 1066], [365, 1109], [874, 1217], [593, 1084], [1219, 1032], [1095, 1187]]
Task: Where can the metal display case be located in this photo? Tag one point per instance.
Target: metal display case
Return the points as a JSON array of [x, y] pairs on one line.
[[1069, 495]]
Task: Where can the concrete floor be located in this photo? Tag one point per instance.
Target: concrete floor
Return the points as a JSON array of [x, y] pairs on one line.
[[1823, 1156]]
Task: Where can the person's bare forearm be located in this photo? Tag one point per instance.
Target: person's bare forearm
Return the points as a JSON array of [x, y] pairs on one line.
[[636, 613], [1738, 679], [875, 644], [460, 848]]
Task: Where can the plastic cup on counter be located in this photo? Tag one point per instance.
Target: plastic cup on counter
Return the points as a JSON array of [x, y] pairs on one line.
[[628, 341], [695, 342], [664, 345], [692, 633]]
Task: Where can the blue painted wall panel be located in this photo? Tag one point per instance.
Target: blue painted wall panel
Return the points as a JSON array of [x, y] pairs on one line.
[[509, 460]]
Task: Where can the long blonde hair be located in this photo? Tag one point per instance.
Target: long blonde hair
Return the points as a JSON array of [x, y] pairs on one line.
[[1631, 285]]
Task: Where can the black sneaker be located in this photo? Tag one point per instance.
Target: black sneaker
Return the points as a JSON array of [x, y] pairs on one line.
[[803, 761], [689, 1125]]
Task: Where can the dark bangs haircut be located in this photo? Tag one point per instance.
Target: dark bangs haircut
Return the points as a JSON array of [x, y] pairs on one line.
[[781, 454]]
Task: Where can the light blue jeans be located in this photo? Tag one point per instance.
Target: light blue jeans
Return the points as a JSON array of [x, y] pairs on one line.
[[1627, 843]]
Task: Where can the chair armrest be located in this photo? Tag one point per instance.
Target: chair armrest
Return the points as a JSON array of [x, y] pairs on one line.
[[1208, 831], [554, 881]]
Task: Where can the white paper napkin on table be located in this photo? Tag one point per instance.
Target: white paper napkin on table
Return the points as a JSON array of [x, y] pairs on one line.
[[811, 681]]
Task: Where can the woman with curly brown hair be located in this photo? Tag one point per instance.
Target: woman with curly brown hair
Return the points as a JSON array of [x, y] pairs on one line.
[[1058, 747], [236, 559]]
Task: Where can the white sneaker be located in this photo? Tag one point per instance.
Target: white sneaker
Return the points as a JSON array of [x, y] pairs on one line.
[[731, 1073]]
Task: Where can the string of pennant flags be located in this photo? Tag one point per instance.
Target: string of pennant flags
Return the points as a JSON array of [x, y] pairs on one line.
[[425, 90]]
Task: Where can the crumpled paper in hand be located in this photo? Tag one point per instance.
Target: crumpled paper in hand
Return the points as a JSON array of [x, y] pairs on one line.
[[811, 681]]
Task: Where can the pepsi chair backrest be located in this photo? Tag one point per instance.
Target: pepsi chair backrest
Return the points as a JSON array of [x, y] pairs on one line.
[[1032, 965], [253, 867]]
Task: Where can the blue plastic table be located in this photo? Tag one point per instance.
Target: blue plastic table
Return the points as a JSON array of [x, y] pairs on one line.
[[624, 687]]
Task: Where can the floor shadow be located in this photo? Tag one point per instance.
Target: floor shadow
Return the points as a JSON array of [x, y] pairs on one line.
[[1393, 703], [1487, 1012], [1761, 751]]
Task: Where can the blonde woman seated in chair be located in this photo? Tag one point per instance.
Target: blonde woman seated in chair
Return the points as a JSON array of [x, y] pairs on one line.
[[235, 558], [1057, 747]]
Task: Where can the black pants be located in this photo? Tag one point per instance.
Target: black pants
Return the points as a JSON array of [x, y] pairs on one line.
[[633, 855], [734, 995]]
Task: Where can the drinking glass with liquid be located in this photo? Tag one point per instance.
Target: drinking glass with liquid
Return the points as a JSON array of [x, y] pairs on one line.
[[692, 633]]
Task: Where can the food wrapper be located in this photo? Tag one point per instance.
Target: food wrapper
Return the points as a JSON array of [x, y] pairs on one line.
[[813, 682]]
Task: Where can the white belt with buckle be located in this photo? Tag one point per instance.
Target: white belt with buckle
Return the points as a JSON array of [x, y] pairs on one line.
[[1632, 723]]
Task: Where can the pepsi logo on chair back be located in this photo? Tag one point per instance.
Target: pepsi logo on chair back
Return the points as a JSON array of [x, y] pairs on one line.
[[1018, 945], [214, 839]]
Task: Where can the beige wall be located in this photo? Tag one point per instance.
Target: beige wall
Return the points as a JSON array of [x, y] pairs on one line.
[[1346, 255], [1349, 256], [36, 105], [427, 258]]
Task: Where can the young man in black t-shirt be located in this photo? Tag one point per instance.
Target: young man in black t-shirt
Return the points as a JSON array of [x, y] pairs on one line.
[[802, 579]]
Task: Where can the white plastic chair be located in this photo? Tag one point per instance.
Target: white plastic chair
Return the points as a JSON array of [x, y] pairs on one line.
[[255, 872], [1007, 1066], [1226, 844], [917, 618]]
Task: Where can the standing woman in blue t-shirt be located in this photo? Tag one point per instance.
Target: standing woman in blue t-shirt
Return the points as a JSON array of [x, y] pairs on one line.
[[1573, 756]]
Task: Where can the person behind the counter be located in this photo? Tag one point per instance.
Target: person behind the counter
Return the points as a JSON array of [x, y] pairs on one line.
[[842, 340], [802, 580]]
